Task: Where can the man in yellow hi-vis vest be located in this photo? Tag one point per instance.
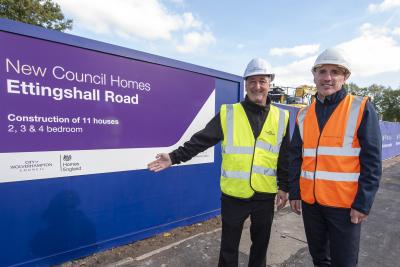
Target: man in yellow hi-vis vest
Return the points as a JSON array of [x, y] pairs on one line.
[[255, 137]]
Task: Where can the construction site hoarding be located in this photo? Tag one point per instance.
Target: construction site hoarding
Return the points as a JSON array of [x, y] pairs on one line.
[[79, 121], [69, 110]]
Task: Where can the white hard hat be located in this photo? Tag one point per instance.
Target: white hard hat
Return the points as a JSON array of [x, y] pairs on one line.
[[334, 56], [258, 66]]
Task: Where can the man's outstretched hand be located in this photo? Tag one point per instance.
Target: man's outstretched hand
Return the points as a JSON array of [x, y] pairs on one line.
[[162, 162]]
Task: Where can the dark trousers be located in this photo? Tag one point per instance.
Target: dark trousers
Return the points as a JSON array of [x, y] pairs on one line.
[[234, 212], [332, 239]]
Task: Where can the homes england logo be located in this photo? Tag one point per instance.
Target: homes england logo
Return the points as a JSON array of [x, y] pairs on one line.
[[68, 165]]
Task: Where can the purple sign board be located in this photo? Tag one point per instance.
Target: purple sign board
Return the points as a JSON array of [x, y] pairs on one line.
[[60, 98]]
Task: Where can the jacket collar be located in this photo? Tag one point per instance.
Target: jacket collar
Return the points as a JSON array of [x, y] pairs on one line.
[[254, 107], [334, 98]]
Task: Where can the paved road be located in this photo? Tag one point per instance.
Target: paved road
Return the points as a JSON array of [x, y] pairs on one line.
[[380, 245], [380, 236]]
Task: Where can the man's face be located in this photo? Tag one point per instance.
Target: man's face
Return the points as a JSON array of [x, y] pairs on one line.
[[257, 88], [329, 79]]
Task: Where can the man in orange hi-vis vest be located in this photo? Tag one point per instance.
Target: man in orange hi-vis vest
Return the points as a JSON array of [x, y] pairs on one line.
[[335, 164]]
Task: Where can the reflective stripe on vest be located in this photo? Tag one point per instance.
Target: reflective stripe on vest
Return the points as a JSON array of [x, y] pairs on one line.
[[330, 172], [264, 171], [246, 175], [300, 120], [333, 151], [236, 174], [332, 176], [251, 149]]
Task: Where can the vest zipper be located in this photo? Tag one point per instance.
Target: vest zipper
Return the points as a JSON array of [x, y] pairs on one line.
[[316, 162], [316, 153], [252, 160]]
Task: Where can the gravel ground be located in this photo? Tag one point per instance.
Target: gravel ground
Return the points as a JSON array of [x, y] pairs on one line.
[[141, 247]]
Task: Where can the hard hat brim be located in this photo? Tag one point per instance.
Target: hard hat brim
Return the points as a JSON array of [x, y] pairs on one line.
[[270, 75], [348, 72]]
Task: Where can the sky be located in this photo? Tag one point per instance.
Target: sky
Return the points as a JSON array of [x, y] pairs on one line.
[[225, 35]]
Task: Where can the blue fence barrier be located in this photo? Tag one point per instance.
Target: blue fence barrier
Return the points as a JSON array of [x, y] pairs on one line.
[[390, 139]]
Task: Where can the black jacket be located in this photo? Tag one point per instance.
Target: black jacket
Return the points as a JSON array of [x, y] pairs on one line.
[[212, 134], [369, 136]]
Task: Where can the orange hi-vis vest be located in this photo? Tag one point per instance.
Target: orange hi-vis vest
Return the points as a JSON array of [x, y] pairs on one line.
[[331, 165]]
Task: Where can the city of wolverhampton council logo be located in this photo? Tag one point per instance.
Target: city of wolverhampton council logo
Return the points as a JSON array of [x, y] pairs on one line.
[[31, 166]]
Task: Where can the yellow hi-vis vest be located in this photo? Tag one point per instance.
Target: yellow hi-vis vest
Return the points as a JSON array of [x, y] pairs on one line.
[[250, 165]]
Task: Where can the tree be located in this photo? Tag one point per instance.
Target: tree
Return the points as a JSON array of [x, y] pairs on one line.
[[390, 105], [42, 13], [375, 92], [353, 89], [384, 99]]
